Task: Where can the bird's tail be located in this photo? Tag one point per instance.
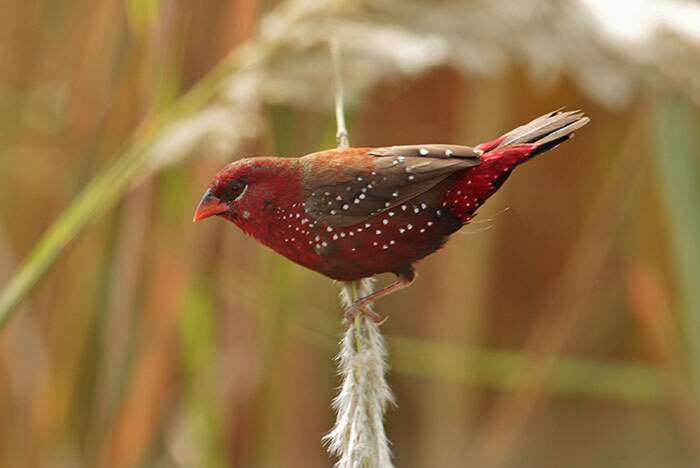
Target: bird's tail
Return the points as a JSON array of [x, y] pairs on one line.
[[538, 136], [503, 154]]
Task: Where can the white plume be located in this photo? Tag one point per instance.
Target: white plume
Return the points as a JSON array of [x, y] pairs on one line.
[[358, 438]]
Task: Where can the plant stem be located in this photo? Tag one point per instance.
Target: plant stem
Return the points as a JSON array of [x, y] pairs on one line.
[[342, 136], [358, 437]]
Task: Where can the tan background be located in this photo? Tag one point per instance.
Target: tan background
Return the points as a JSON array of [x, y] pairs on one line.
[[154, 342]]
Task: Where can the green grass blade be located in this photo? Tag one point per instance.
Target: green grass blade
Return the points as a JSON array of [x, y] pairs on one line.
[[107, 188], [198, 353], [677, 159], [505, 370]]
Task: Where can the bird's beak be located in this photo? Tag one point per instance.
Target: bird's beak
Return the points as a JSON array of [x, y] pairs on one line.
[[209, 206]]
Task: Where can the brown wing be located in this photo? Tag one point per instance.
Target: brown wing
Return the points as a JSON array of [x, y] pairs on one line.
[[429, 151], [348, 187]]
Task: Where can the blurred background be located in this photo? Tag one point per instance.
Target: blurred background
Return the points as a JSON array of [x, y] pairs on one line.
[[560, 328]]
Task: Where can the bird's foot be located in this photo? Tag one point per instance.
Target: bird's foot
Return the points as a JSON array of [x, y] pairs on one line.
[[360, 307]]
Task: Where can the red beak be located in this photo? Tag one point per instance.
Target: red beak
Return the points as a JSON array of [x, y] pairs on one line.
[[209, 206]]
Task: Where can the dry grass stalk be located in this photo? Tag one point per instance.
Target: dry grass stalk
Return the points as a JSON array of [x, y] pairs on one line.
[[358, 437]]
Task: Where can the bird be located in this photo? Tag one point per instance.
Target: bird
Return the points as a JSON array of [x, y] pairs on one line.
[[353, 213]]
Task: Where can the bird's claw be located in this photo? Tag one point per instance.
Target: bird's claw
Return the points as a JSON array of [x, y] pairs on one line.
[[359, 308]]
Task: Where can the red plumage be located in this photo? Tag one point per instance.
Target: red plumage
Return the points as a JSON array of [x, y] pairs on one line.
[[353, 213]]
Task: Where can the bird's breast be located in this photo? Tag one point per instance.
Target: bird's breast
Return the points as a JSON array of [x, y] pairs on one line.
[[384, 243]]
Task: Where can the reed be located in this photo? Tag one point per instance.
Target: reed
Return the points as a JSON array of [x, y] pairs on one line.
[[358, 437]]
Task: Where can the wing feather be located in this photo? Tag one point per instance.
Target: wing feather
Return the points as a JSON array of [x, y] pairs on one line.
[[362, 183]]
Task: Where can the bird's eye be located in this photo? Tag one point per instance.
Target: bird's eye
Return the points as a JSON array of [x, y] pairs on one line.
[[234, 190]]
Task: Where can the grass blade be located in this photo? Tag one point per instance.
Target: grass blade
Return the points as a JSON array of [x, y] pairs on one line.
[[106, 189], [677, 159]]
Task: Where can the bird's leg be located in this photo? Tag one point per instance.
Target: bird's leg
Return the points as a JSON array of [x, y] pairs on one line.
[[361, 306]]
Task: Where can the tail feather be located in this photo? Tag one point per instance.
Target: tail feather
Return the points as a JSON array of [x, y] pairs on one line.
[[547, 131], [505, 153], [544, 132]]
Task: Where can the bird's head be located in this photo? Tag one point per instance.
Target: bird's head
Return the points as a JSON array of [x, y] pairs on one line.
[[243, 188], [227, 192]]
